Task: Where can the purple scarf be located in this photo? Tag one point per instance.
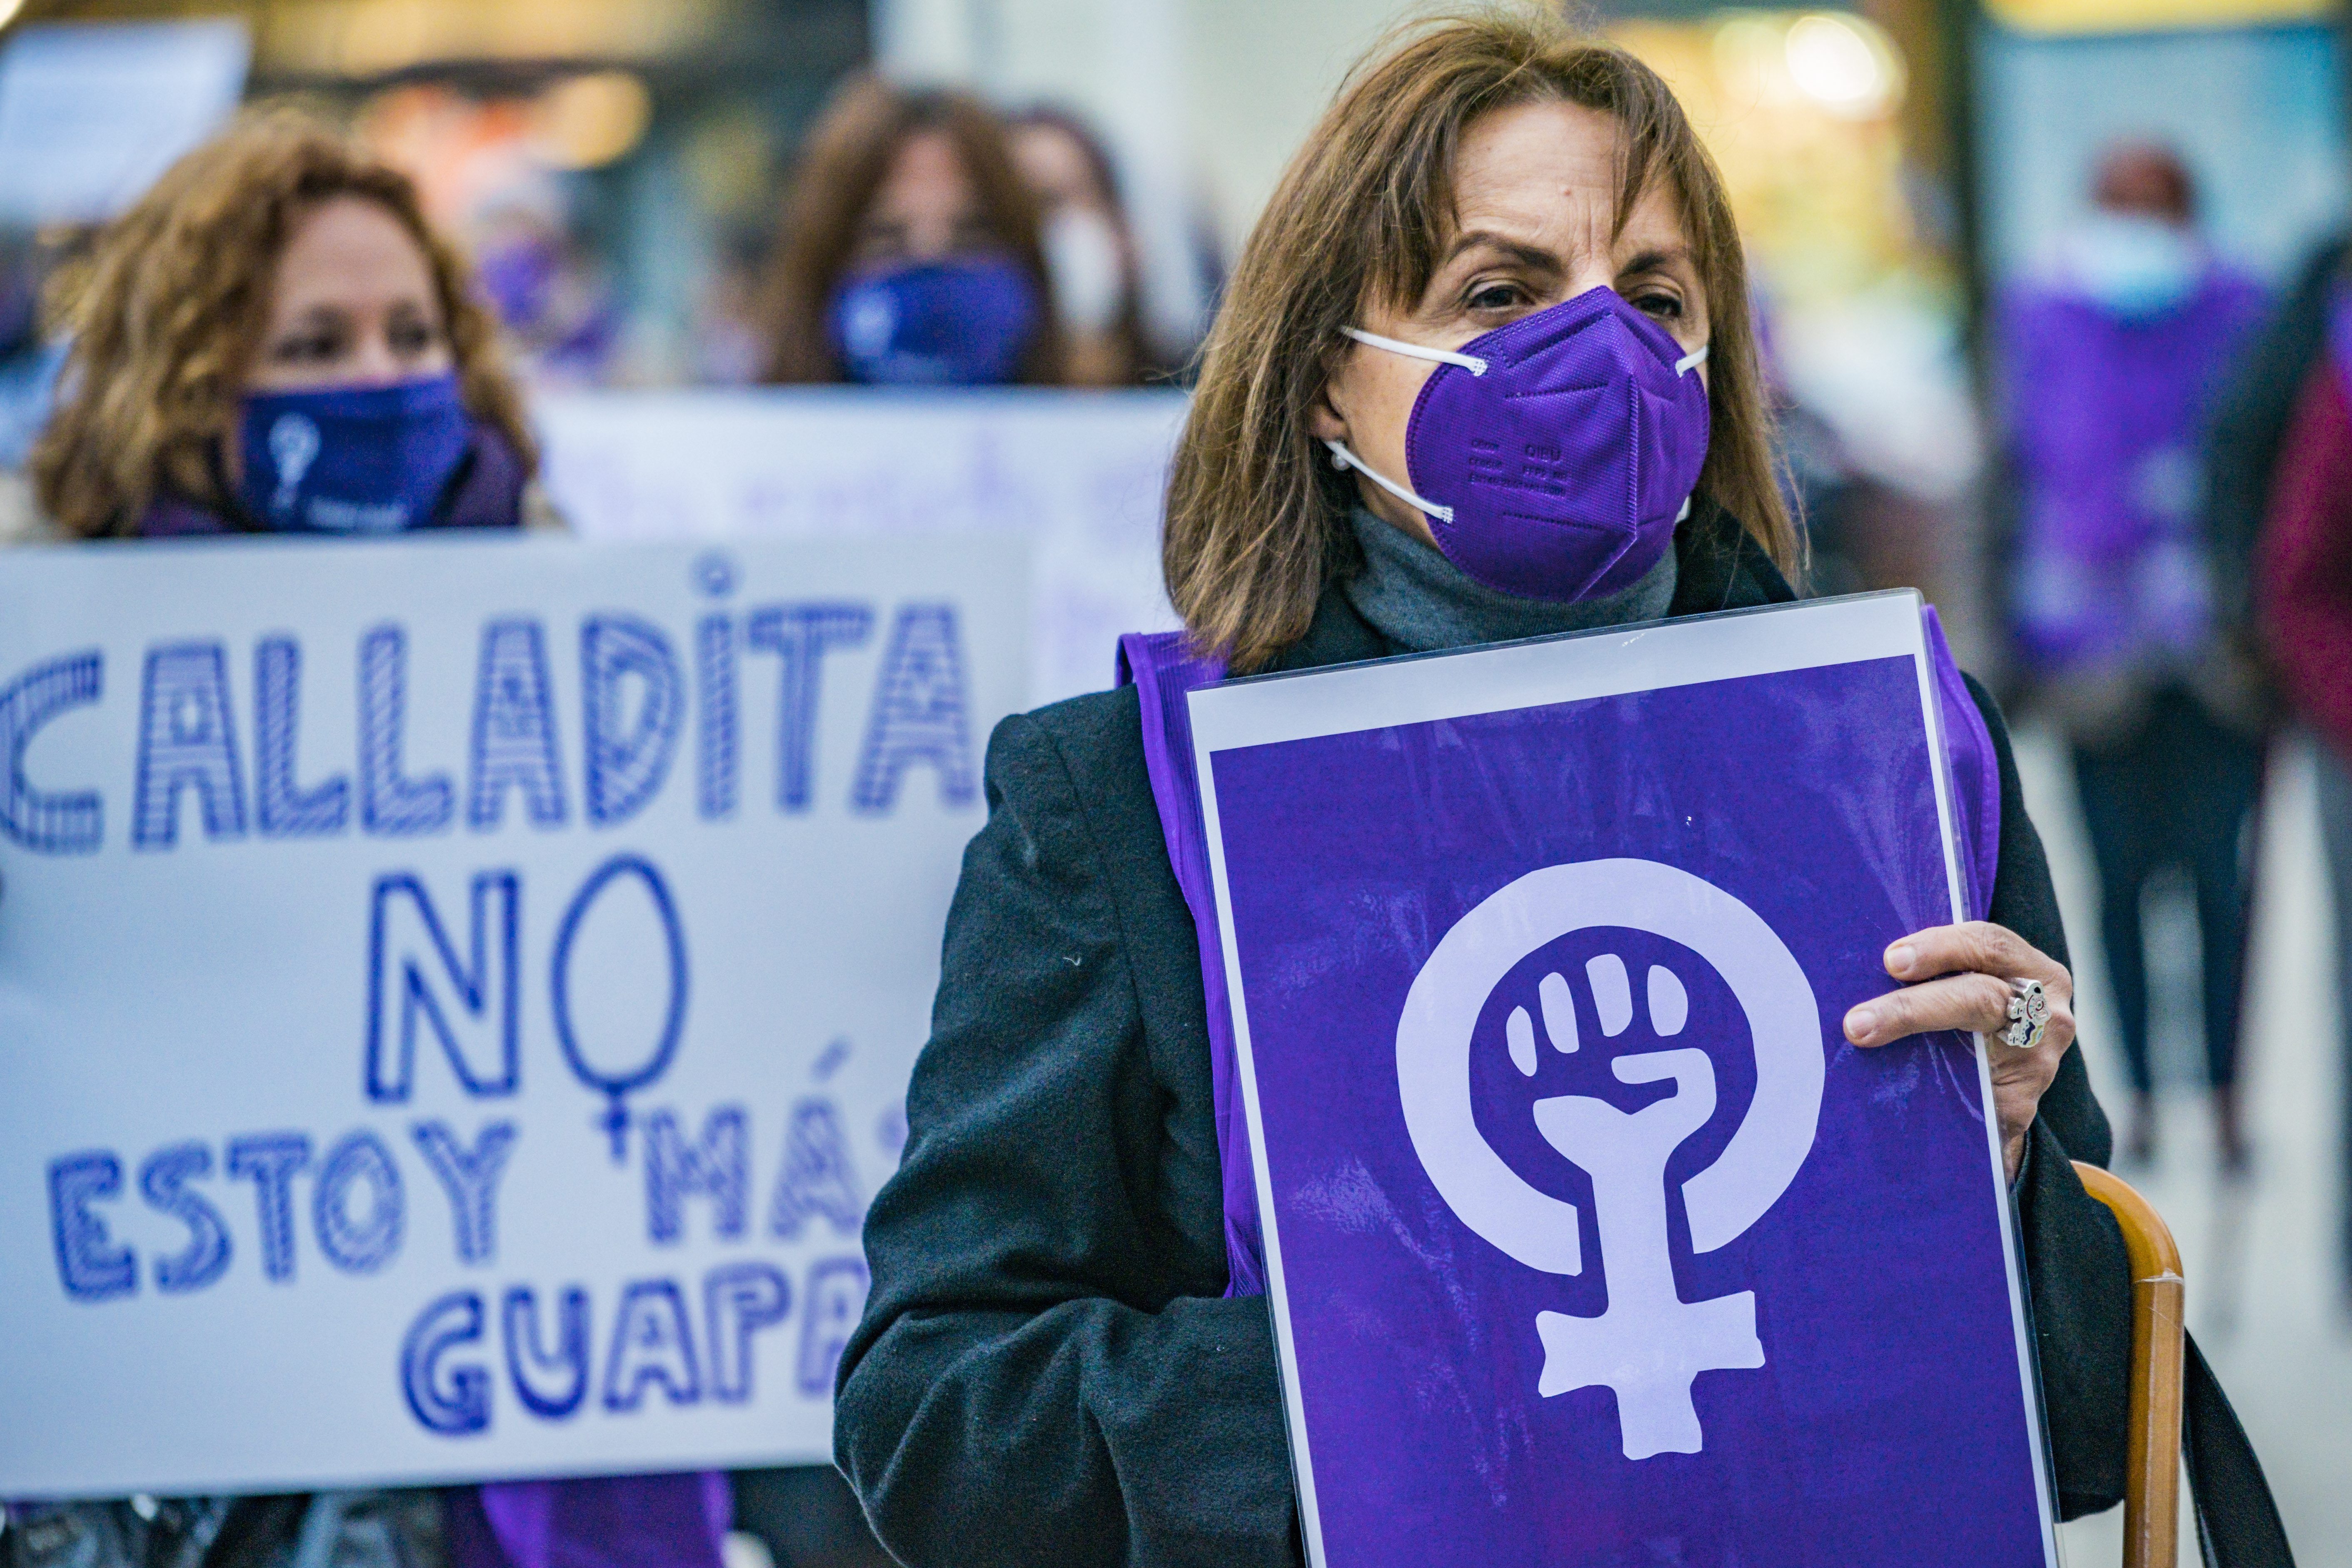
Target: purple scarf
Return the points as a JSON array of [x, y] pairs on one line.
[[2105, 414], [1162, 673], [486, 493], [602, 1521]]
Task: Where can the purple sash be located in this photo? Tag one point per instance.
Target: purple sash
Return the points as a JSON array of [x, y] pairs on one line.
[[595, 1522], [1162, 673]]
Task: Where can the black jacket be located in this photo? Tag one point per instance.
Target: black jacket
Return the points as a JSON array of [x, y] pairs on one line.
[[1047, 1370]]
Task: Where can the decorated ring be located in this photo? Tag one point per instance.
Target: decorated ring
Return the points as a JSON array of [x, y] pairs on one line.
[[2029, 1014]]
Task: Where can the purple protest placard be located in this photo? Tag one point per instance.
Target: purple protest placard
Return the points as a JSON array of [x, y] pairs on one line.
[[1590, 1240]]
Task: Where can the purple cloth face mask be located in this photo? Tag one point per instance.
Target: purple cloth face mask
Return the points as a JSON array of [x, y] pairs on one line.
[[351, 459], [1561, 449], [965, 322]]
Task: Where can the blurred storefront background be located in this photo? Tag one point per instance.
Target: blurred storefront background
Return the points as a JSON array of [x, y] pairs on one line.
[[611, 163], [618, 163], [617, 166]]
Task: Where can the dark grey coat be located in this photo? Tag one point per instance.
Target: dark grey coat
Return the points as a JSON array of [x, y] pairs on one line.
[[1048, 1372]]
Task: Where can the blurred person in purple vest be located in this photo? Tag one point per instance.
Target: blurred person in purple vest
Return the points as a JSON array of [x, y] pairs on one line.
[[275, 339], [2110, 363]]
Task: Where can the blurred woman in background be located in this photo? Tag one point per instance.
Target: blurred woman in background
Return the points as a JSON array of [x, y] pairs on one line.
[[275, 339], [1089, 247], [2111, 368], [912, 255]]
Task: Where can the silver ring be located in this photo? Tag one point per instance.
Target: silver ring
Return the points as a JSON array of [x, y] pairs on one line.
[[2029, 1014]]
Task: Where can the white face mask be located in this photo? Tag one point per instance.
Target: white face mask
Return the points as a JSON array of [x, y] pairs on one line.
[[1084, 257], [2132, 265]]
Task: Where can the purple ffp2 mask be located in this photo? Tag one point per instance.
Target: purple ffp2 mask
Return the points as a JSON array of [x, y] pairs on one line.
[[1560, 450]]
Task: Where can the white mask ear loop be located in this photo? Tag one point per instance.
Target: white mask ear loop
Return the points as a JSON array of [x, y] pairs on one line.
[[1470, 363], [1343, 459], [1683, 366]]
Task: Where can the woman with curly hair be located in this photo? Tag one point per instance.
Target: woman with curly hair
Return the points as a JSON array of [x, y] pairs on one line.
[[275, 339]]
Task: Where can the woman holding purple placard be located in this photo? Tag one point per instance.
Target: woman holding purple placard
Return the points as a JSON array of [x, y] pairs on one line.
[[1502, 272]]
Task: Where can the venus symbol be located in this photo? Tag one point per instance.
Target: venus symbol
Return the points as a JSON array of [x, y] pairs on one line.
[[1649, 1344], [293, 446]]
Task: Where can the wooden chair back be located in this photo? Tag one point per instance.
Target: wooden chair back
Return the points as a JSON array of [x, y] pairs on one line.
[[2152, 1486]]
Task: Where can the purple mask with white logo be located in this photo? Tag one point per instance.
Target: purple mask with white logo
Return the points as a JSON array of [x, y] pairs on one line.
[[351, 459], [965, 322], [1558, 452]]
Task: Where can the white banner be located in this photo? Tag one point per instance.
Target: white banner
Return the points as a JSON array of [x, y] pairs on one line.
[[456, 999], [1080, 474], [92, 113]]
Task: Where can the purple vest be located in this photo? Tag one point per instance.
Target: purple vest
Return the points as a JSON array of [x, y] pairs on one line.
[[2105, 416], [1162, 673]]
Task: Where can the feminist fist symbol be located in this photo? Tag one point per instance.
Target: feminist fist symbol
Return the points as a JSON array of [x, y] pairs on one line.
[[1649, 1344]]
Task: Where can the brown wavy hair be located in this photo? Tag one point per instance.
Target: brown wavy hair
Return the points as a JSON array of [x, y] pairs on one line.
[[1256, 518], [847, 159], [168, 310]]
